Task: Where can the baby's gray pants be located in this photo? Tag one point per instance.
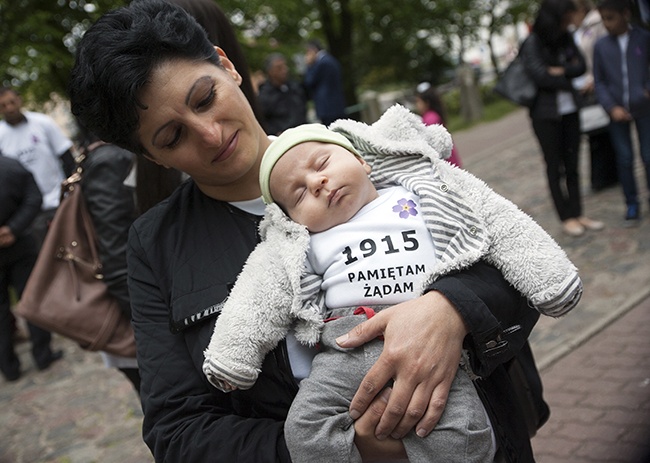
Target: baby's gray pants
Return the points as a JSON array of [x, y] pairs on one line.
[[319, 427]]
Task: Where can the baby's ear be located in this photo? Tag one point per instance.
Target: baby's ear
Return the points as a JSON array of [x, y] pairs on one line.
[[365, 165]]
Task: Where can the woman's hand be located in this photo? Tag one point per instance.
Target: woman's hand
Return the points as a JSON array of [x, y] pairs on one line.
[[7, 238], [423, 340], [588, 88], [370, 448], [620, 114]]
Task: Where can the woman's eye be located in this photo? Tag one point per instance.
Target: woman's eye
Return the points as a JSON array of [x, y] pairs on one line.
[[175, 140], [207, 101]]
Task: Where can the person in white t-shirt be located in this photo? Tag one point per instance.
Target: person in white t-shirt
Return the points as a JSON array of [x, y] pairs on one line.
[[347, 248], [37, 142]]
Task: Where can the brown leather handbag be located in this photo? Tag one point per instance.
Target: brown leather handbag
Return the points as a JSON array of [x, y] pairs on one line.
[[65, 292]]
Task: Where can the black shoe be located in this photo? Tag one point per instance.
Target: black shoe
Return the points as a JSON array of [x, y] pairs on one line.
[[632, 215], [57, 355], [13, 376]]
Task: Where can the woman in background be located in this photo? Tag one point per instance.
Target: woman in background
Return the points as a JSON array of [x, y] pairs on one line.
[[553, 60], [589, 28], [432, 109]]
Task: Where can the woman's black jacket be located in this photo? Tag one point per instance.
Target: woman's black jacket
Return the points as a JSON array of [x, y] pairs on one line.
[[112, 209], [538, 57], [184, 256]]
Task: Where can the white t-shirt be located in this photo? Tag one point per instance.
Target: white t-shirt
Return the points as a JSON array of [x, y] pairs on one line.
[[37, 144], [392, 225], [623, 41], [380, 256], [565, 103]]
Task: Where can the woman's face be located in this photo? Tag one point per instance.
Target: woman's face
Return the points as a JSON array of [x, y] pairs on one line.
[[578, 16], [198, 121], [420, 105]]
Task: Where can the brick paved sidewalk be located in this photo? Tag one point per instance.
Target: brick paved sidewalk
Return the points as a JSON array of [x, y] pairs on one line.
[[599, 396]]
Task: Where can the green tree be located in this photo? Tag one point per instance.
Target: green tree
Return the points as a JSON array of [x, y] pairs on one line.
[[498, 14], [37, 40], [378, 42]]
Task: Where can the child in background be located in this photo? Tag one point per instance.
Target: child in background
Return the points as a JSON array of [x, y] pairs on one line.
[[432, 109], [623, 89], [371, 231]]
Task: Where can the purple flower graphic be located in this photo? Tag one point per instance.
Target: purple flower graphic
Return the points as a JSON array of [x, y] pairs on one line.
[[405, 208]]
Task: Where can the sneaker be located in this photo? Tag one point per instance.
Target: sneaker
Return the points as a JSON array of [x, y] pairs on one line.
[[590, 224], [632, 215], [573, 227]]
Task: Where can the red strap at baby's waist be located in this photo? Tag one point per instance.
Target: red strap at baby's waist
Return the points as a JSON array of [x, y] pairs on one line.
[[367, 311]]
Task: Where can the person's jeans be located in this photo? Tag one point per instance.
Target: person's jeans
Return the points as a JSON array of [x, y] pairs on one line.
[[621, 138], [559, 140]]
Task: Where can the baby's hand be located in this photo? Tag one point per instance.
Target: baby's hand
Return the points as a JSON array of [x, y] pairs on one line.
[[227, 387], [216, 379]]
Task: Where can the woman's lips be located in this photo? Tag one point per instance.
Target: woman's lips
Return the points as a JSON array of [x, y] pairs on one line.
[[227, 149]]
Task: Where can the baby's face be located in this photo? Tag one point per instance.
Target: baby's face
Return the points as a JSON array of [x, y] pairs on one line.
[[321, 185]]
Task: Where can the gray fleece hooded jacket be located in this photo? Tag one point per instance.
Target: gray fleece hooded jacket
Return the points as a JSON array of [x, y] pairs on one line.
[[468, 222]]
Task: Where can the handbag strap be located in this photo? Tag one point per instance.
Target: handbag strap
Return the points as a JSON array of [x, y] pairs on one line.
[[93, 146], [69, 183], [78, 160], [68, 187]]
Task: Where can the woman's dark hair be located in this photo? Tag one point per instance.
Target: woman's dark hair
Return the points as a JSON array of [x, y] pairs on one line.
[[84, 137], [548, 24], [221, 33], [154, 182], [431, 97], [115, 58]]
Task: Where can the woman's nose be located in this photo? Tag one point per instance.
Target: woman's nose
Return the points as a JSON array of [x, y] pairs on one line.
[[210, 133]]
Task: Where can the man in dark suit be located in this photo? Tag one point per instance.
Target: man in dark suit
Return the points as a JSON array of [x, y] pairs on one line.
[[324, 83], [20, 203]]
